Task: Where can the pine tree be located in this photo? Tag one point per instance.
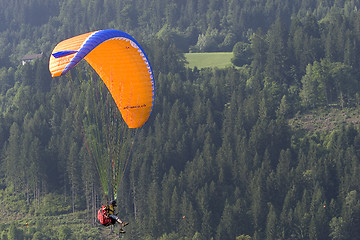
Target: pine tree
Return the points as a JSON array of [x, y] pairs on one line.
[[259, 48], [174, 213], [15, 233], [225, 229], [13, 157], [73, 173], [154, 215], [271, 224], [277, 59]]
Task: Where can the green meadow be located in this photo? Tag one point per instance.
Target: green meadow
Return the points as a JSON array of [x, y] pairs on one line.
[[210, 59]]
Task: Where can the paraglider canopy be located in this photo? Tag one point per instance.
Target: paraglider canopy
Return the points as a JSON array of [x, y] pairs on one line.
[[125, 70], [120, 62]]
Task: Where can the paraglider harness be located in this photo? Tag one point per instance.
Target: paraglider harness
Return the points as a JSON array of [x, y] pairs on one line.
[[103, 216]]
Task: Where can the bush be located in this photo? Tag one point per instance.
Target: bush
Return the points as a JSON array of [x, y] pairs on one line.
[[51, 205], [242, 54], [64, 233], [38, 236]]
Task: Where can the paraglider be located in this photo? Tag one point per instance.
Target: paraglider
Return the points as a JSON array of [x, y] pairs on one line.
[[120, 62], [125, 70], [107, 216]]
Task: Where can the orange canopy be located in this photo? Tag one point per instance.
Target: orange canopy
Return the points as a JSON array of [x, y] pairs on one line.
[[120, 62]]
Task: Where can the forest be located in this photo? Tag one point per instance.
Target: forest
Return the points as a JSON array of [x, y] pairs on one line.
[[226, 153]]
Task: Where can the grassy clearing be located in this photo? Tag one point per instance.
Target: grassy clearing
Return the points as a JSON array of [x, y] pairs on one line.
[[210, 59], [326, 119], [49, 218]]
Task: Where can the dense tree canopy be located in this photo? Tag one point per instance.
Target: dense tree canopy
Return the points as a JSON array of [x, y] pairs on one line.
[[218, 158]]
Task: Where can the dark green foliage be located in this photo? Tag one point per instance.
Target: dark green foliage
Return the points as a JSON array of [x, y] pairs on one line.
[[242, 54], [217, 159]]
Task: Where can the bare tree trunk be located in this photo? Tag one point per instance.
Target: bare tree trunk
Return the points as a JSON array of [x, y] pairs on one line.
[[27, 193], [134, 200], [93, 204], [73, 199]]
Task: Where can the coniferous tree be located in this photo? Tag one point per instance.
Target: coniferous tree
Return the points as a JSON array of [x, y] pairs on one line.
[[154, 215], [225, 228], [73, 174], [259, 48], [276, 67], [12, 157], [174, 213], [271, 224]]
